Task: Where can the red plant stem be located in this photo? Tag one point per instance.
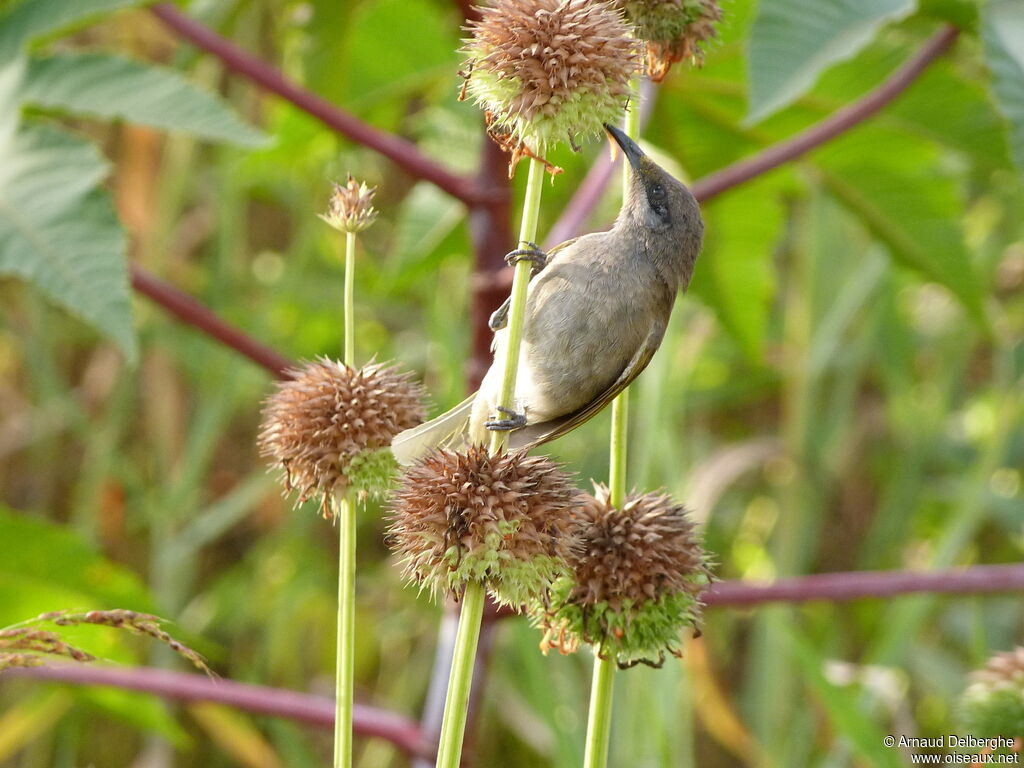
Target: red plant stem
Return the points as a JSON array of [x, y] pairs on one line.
[[857, 585], [306, 708], [196, 314], [490, 229], [832, 126], [401, 152], [571, 222]]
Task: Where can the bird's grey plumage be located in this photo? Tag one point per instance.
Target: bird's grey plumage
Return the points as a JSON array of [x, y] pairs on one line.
[[595, 316]]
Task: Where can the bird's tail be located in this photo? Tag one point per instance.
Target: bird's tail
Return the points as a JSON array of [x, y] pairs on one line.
[[446, 431]]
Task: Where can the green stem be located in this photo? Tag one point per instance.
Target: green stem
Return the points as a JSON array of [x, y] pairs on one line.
[[344, 673], [620, 405], [456, 705], [344, 676], [350, 289], [599, 722], [517, 311]]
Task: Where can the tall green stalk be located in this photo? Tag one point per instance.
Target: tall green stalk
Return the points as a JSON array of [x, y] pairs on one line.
[[456, 705], [599, 720], [344, 681]]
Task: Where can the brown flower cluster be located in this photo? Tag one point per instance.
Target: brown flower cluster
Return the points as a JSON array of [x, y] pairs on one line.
[[674, 30], [328, 414], [640, 553], [504, 520], [351, 207], [635, 580], [993, 705], [548, 70]]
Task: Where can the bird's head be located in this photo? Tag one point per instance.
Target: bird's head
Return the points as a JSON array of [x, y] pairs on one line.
[[660, 209]]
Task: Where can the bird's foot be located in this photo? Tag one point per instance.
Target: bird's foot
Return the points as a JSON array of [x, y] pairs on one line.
[[531, 253], [515, 420], [499, 318]]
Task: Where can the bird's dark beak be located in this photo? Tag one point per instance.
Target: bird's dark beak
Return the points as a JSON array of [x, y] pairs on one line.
[[629, 147]]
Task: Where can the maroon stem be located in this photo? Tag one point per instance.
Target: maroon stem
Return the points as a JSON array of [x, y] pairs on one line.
[[856, 585], [194, 313], [401, 152], [832, 126], [590, 191], [305, 708]]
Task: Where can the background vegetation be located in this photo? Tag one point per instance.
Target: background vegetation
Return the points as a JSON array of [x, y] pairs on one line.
[[842, 389]]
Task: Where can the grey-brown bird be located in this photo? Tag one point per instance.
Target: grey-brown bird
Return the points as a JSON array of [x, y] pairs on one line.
[[596, 313]]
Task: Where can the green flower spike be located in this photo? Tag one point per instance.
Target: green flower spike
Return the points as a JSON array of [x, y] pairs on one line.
[[635, 582], [504, 521]]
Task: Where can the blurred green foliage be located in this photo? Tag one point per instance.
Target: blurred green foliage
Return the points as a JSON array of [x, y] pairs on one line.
[[842, 389]]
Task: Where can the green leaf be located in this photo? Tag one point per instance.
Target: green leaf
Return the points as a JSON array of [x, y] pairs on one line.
[[734, 274], [106, 86], [35, 18], [907, 201], [793, 41], [59, 232], [53, 564], [1003, 32]]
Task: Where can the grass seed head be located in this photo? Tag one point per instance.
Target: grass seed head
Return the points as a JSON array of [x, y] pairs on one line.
[[503, 520]]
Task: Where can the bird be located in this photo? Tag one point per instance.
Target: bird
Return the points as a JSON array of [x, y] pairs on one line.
[[596, 311]]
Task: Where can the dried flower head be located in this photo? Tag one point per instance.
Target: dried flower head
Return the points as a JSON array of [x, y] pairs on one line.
[[503, 520], [351, 208], [993, 705], [330, 426], [549, 70], [673, 30], [635, 581]]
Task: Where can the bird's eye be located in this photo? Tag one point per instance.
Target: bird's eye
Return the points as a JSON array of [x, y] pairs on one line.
[[657, 190]]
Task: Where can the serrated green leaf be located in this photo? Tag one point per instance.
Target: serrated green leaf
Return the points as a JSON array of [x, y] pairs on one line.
[[59, 232], [734, 273], [1003, 32], [35, 18], [793, 41], [107, 86]]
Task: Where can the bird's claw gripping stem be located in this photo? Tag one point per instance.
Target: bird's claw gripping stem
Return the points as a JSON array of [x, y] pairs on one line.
[[531, 253], [514, 421]]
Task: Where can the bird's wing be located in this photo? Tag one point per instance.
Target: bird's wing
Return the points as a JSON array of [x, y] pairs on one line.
[[445, 431], [533, 435], [499, 318]]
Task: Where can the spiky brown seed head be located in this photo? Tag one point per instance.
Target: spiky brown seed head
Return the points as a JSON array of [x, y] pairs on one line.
[[351, 206], [549, 70], [993, 705], [673, 30], [635, 581], [328, 421], [503, 520]]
